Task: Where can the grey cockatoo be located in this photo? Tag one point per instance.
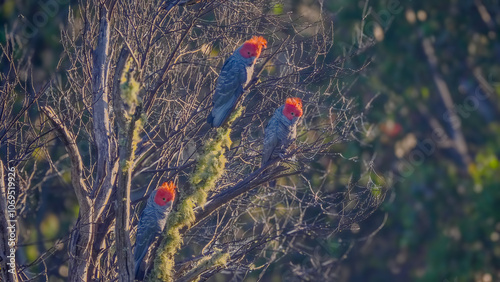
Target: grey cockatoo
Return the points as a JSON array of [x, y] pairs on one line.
[[152, 221], [234, 76], [281, 131]]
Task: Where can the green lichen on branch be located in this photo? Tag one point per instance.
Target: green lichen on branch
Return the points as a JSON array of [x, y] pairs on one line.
[[136, 138], [130, 119], [130, 89], [210, 168], [132, 137], [217, 259]]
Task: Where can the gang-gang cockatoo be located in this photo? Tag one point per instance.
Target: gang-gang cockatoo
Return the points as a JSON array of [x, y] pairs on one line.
[[281, 131], [152, 221], [234, 76]]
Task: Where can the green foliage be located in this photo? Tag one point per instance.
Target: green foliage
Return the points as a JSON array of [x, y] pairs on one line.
[[442, 220], [485, 168], [278, 9], [50, 226]]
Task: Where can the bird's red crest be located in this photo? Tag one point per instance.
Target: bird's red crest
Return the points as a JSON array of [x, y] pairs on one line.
[[165, 193], [253, 47], [293, 108]]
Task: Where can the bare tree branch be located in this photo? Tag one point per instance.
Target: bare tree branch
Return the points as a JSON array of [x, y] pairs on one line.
[[101, 189], [85, 221], [136, 74], [458, 138]]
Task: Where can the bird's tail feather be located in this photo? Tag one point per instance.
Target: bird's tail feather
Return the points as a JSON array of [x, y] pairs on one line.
[[210, 119], [219, 119], [137, 270], [271, 183], [138, 261]]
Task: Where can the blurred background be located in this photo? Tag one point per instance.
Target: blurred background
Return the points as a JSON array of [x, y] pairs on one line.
[[432, 87]]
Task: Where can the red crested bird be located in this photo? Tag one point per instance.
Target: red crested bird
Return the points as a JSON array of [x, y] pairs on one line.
[[281, 131], [152, 221], [234, 76]]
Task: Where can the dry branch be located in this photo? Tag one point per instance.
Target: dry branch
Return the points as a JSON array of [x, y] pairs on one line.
[[458, 137], [175, 58], [81, 242]]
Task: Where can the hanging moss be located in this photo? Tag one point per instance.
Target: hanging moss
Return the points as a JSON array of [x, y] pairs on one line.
[[218, 258], [137, 131], [209, 170], [132, 124], [130, 89]]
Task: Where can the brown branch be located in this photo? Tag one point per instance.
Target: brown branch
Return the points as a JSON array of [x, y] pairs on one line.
[[250, 182], [69, 142], [458, 138], [181, 167], [166, 67], [126, 153], [115, 90], [483, 83], [104, 225], [485, 15], [23, 110], [444, 141], [242, 187], [101, 189], [122, 226], [81, 242]]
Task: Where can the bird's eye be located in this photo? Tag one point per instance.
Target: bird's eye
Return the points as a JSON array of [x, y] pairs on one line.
[[248, 53], [292, 113], [164, 199]]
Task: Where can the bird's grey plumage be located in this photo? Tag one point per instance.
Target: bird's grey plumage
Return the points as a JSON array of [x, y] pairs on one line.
[[151, 224], [278, 135], [234, 76]]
